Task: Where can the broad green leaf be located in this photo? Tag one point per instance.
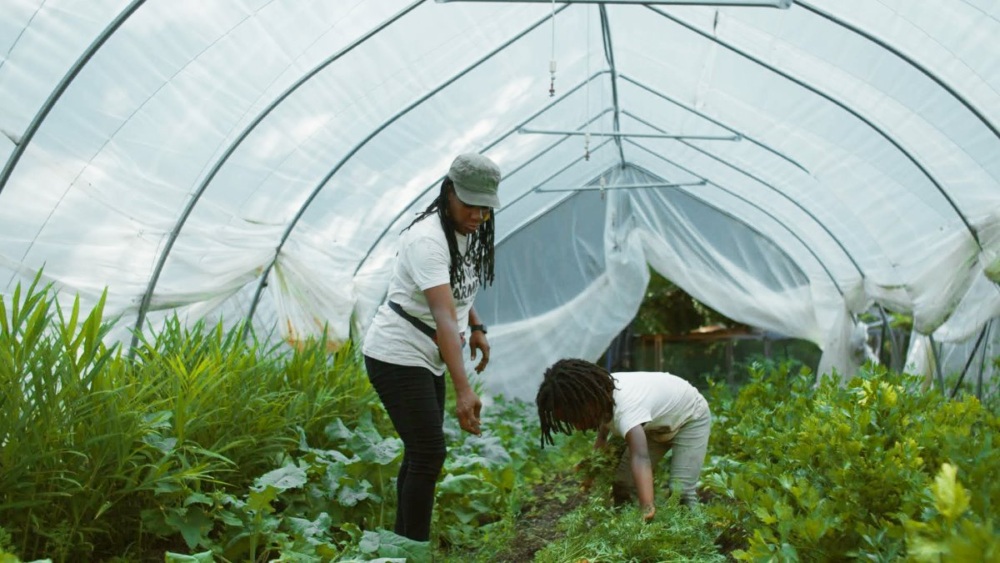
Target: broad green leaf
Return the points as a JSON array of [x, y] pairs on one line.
[[198, 498], [460, 484], [923, 549], [203, 557], [261, 500], [950, 498], [284, 478], [314, 528], [351, 495], [764, 515], [192, 523], [394, 547]]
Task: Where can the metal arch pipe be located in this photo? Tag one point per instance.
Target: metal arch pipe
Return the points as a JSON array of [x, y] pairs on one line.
[[558, 200], [968, 361], [550, 147], [312, 196], [602, 189], [528, 130], [60, 89], [838, 103], [912, 62], [750, 203], [609, 55], [768, 185], [780, 4], [203, 186], [702, 115], [513, 130]]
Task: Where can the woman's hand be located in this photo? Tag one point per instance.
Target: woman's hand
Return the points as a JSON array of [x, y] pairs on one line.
[[648, 512], [467, 408], [478, 342]]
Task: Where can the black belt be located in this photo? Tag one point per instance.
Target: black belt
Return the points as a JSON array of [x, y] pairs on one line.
[[421, 325]]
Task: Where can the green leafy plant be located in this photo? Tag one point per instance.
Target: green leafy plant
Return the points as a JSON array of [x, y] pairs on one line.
[[952, 531], [831, 471], [103, 455]]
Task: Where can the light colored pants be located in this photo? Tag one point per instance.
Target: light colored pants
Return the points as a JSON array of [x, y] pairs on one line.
[[689, 446]]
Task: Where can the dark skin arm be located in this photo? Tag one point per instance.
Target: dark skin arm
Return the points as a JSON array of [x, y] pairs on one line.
[[642, 470], [477, 341], [467, 403]]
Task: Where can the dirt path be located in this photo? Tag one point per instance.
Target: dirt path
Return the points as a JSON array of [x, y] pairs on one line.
[[538, 521]]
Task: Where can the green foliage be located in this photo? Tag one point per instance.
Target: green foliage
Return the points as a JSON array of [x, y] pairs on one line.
[[952, 533], [242, 452], [97, 447], [668, 309], [598, 533], [483, 474], [309, 507], [387, 546], [829, 472]]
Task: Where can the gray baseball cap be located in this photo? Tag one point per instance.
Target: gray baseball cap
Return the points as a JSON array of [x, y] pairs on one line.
[[476, 180]]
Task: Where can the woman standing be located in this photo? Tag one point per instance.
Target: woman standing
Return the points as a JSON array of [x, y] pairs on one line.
[[419, 332]]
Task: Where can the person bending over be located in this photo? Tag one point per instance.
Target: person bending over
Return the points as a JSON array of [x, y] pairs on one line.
[[444, 256], [653, 411]]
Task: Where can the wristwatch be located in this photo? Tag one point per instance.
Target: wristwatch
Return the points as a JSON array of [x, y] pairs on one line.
[[480, 328]]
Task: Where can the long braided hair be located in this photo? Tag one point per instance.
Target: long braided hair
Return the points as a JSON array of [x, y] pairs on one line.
[[480, 249], [573, 391]]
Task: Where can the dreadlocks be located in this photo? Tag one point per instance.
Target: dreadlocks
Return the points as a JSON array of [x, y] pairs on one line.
[[480, 249], [578, 391]]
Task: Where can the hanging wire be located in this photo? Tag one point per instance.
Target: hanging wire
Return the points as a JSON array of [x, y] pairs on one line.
[[552, 59]]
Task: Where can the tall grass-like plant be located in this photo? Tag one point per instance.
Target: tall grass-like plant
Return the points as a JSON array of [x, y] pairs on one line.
[[72, 427], [100, 452]]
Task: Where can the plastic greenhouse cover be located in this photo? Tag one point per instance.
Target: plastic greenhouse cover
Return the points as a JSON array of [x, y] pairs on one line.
[[256, 160]]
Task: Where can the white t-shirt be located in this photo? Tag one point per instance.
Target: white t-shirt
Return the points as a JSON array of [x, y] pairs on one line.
[[662, 401], [422, 262]]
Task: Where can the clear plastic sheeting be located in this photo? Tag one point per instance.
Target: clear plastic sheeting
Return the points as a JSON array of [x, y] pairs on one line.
[[256, 160]]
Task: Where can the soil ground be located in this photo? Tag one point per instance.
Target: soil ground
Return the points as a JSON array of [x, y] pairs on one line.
[[538, 522]]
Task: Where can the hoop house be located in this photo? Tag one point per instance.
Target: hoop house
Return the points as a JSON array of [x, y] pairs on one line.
[[790, 165]]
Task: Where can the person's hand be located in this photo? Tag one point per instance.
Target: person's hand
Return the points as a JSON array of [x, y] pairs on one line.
[[648, 512], [478, 342], [467, 407], [587, 478]]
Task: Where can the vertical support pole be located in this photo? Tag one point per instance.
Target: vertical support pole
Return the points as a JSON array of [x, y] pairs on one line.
[[627, 351], [882, 336], [982, 362], [730, 361], [937, 363]]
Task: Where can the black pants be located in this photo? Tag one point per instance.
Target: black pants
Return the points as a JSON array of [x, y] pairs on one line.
[[414, 399]]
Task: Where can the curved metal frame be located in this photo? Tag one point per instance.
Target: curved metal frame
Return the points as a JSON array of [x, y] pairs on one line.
[[881, 43], [161, 261], [702, 115], [60, 88], [513, 130], [21, 146], [558, 200], [750, 203], [838, 103], [312, 196], [793, 201], [609, 55]]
